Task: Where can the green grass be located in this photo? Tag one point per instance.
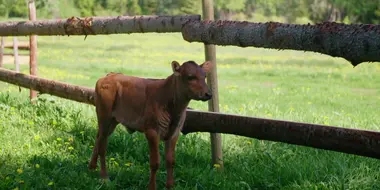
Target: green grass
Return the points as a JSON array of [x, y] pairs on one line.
[[58, 134]]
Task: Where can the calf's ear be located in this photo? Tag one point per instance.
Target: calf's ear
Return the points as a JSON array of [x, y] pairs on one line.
[[207, 66], [175, 68]]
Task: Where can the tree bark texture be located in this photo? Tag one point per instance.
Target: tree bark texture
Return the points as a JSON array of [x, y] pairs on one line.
[[352, 141], [96, 25], [60, 89], [356, 43]]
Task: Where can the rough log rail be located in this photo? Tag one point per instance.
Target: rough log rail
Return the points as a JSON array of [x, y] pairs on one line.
[[60, 89], [352, 141], [96, 25], [356, 43]]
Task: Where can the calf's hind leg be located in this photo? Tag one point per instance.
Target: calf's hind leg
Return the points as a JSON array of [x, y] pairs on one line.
[[106, 127], [104, 101]]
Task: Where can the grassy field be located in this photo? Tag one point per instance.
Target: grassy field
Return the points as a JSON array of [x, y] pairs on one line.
[[48, 145]]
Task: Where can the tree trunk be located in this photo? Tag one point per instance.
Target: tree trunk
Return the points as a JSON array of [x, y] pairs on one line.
[[335, 15], [352, 141], [225, 14], [60, 89], [96, 25], [356, 43]]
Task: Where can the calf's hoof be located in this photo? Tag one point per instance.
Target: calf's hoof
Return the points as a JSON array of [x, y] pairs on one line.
[[104, 175], [169, 185], [152, 187], [105, 180], [91, 166]]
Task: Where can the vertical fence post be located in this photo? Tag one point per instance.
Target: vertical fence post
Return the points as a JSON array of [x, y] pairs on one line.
[[2, 51], [212, 81], [15, 54], [33, 48]]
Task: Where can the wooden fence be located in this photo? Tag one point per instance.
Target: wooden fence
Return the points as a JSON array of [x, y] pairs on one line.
[[352, 141], [364, 40], [16, 45]]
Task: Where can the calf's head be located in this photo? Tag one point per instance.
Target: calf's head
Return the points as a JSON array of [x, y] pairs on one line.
[[192, 79]]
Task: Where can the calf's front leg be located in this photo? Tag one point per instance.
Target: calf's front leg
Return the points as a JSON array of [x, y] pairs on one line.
[[170, 160], [153, 142]]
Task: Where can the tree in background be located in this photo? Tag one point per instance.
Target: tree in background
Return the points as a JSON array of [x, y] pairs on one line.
[[349, 11], [86, 7], [344, 10], [148, 6], [11, 8], [4, 8], [119, 6], [190, 7], [133, 7], [364, 11], [226, 8], [291, 9]]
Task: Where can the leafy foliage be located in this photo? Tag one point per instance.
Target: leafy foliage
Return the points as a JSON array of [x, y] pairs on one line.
[[17, 8], [190, 7], [86, 7]]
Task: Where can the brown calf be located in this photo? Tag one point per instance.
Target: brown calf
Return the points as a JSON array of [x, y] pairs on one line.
[[155, 107]]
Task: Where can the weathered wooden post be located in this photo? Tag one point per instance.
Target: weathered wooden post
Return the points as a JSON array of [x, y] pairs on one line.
[[212, 81], [33, 47], [1, 51], [15, 54]]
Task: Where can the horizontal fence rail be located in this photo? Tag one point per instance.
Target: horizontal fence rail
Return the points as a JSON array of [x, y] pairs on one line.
[[352, 141], [356, 43], [60, 89], [96, 25]]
